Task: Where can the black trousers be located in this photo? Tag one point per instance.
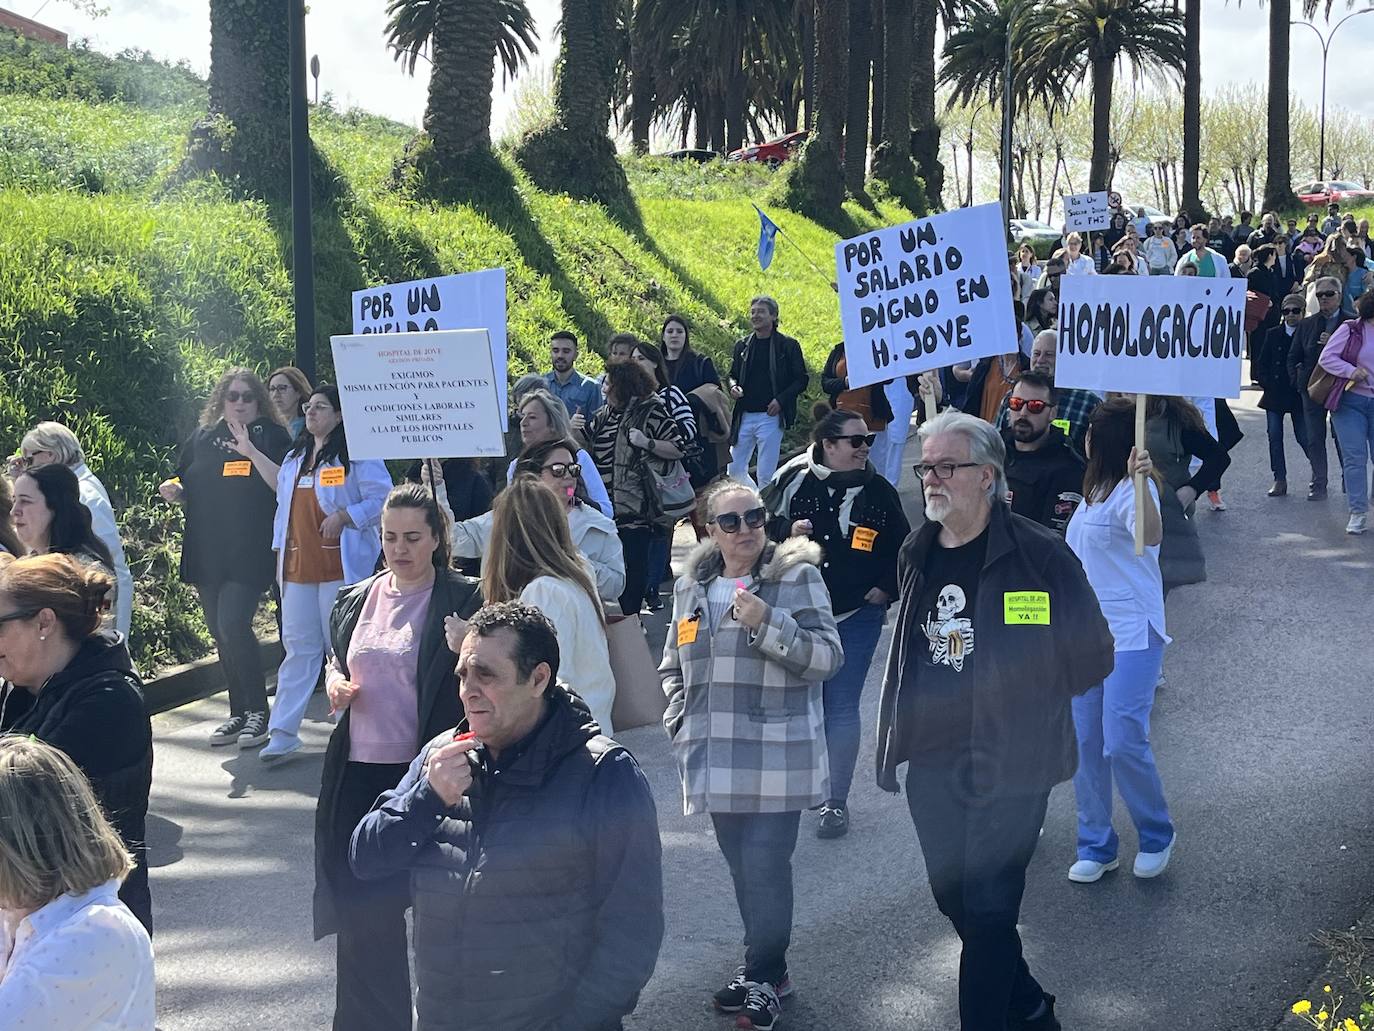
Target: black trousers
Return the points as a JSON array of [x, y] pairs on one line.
[[372, 989], [634, 542], [976, 851], [229, 610]]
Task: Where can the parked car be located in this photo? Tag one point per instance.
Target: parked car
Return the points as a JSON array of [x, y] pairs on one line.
[[691, 154], [1331, 191], [1041, 237], [773, 152]]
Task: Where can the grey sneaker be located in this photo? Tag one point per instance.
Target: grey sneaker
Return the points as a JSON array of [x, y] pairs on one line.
[[227, 733], [1359, 523], [254, 729]]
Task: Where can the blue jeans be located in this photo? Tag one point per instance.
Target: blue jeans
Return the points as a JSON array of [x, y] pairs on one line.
[[758, 848], [1273, 422], [858, 639], [1113, 725], [1353, 425]]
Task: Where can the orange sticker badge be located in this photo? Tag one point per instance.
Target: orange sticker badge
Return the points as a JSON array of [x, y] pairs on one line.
[[687, 630], [864, 536], [332, 477], [243, 468]]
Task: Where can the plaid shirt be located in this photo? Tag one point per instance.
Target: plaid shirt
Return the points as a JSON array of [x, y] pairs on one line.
[[1074, 408], [744, 708]]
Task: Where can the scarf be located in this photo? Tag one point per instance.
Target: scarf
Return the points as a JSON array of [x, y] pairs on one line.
[[779, 493]]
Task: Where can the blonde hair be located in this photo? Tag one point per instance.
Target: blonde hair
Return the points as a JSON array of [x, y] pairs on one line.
[[75, 591], [529, 539], [54, 838]]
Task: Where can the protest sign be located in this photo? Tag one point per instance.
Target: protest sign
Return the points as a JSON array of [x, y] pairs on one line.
[[925, 294], [470, 300], [419, 395], [1177, 335], [1086, 211]]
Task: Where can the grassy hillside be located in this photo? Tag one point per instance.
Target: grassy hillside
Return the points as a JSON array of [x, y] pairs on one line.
[[123, 293]]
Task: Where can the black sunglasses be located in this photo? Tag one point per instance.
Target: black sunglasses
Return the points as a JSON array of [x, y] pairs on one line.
[[235, 396], [729, 522], [1326, 293], [562, 469], [857, 440], [21, 614], [1292, 311]]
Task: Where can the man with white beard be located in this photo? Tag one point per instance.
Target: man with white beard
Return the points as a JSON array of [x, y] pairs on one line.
[[997, 629]]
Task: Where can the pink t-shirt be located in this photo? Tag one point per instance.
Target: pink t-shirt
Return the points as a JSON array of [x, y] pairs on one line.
[[383, 660]]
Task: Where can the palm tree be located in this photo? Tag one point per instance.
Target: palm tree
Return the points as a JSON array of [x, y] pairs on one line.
[[857, 109], [924, 138], [463, 37], [818, 179], [1082, 37], [892, 156], [1191, 191]]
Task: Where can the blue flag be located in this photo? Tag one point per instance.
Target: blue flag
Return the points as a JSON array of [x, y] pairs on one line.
[[768, 232]]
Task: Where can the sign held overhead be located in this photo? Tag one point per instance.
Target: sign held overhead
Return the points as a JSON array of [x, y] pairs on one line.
[[1087, 211]]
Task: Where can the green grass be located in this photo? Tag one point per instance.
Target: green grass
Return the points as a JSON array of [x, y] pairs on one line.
[[123, 295]]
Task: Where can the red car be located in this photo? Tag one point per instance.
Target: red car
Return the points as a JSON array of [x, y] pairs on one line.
[[772, 153], [1334, 192]]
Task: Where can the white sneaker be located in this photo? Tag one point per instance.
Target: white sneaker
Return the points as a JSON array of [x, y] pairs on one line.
[[1086, 871], [1152, 864], [279, 748], [1359, 523]]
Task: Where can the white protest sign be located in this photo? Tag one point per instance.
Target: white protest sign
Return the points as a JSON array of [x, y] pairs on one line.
[[1086, 210], [469, 300], [1177, 335], [419, 395], [925, 294]]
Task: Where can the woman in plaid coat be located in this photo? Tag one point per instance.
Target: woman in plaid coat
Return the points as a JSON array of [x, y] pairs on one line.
[[751, 642]]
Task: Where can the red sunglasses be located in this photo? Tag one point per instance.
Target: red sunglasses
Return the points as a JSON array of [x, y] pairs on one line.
[[1033, 405]]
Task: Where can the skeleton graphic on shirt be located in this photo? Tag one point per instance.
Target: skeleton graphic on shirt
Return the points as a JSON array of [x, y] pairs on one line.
[[951, 637]]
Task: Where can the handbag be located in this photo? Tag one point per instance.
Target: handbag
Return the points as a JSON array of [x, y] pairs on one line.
[[1257, 306], [669, 494], [1321, 385], [639, 698]]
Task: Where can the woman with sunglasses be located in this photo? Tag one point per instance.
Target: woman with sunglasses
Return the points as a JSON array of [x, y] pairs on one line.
[[593, 535], [833, 495], [750, 644], [326, 536], [544, 417], [1280, 399], [225, 481]]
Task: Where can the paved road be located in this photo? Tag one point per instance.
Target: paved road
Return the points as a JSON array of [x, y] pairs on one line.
[[1262, 737]]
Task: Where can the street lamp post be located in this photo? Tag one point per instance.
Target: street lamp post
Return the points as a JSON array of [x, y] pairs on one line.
[[1326, 48], [302, 242]]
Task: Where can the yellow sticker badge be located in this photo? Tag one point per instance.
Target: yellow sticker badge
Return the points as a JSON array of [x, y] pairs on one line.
[[243, 468], [687, 630], [1031, 608], [1063, 424], [864, 537], [332, 477]]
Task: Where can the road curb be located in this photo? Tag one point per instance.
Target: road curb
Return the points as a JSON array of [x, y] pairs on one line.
[[193, 681]]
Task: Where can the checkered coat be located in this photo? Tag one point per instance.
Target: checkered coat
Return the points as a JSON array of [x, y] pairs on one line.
[[744, 709]]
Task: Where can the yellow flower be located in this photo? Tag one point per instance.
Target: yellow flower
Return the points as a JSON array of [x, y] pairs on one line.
[[1302, 1006], [1350, 1025], [1322, 1015], [1327, 989]]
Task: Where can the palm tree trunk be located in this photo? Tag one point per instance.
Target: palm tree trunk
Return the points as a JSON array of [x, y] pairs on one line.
[[877, 45], [1190, 196], [250, 88], [892, 157], [735, 104], [856, 109], [582, 90], [925, 130], [458, 109], [1099, 171], [641, 83], [817, 184], [1278, 179], [808, 48]]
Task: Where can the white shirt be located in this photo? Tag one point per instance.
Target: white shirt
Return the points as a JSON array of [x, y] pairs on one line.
[[1080, 266], [80, 963], [1129, 588], [584, 657], [96, 498]]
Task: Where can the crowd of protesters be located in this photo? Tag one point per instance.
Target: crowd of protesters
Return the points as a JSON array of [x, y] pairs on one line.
[[499, 809]]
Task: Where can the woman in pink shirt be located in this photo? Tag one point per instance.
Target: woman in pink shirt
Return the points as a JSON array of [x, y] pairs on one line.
[[1349, 356], [392, 682]]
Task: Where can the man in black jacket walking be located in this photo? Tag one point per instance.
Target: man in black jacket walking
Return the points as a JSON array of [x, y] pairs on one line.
[[532, 846], [767, 375], [997, 629], [1044, 472], [1308, 340]]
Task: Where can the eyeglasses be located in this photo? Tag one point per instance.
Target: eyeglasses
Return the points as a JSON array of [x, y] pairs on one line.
[[1292, 311], [1031, 404], [234, 396], [562, 469], [942, 470], [318, 408], [857, 440], [280, 388], [729, 522], [1326, 293], [21, 614]]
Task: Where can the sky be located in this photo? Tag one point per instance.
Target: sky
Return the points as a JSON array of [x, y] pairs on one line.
[[348, 36]]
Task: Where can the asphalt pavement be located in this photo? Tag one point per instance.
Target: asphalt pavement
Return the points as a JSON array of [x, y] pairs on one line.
[[1262, 738]]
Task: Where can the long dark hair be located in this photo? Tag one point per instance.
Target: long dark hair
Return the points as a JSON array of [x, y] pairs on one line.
[[655, 355], [1179, 409], [9, 540], [70, 532], [413, 495], [828, 422], [532, 459], [335, 447], [1111, 435], [686, 332]]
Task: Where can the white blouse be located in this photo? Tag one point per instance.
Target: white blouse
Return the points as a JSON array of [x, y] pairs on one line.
[[584, 658], [80, 963]]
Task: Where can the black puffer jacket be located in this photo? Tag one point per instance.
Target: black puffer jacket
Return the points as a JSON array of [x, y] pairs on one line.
[[93, 710], [538, 899]]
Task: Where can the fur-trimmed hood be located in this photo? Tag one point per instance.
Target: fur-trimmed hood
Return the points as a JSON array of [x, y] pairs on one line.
[[705, 561]]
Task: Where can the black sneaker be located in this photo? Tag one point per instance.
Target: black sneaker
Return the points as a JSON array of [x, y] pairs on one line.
[[254, 730], [227, 733], [733, 997], [762, 1009], [1046, 1021], [834, 821]]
